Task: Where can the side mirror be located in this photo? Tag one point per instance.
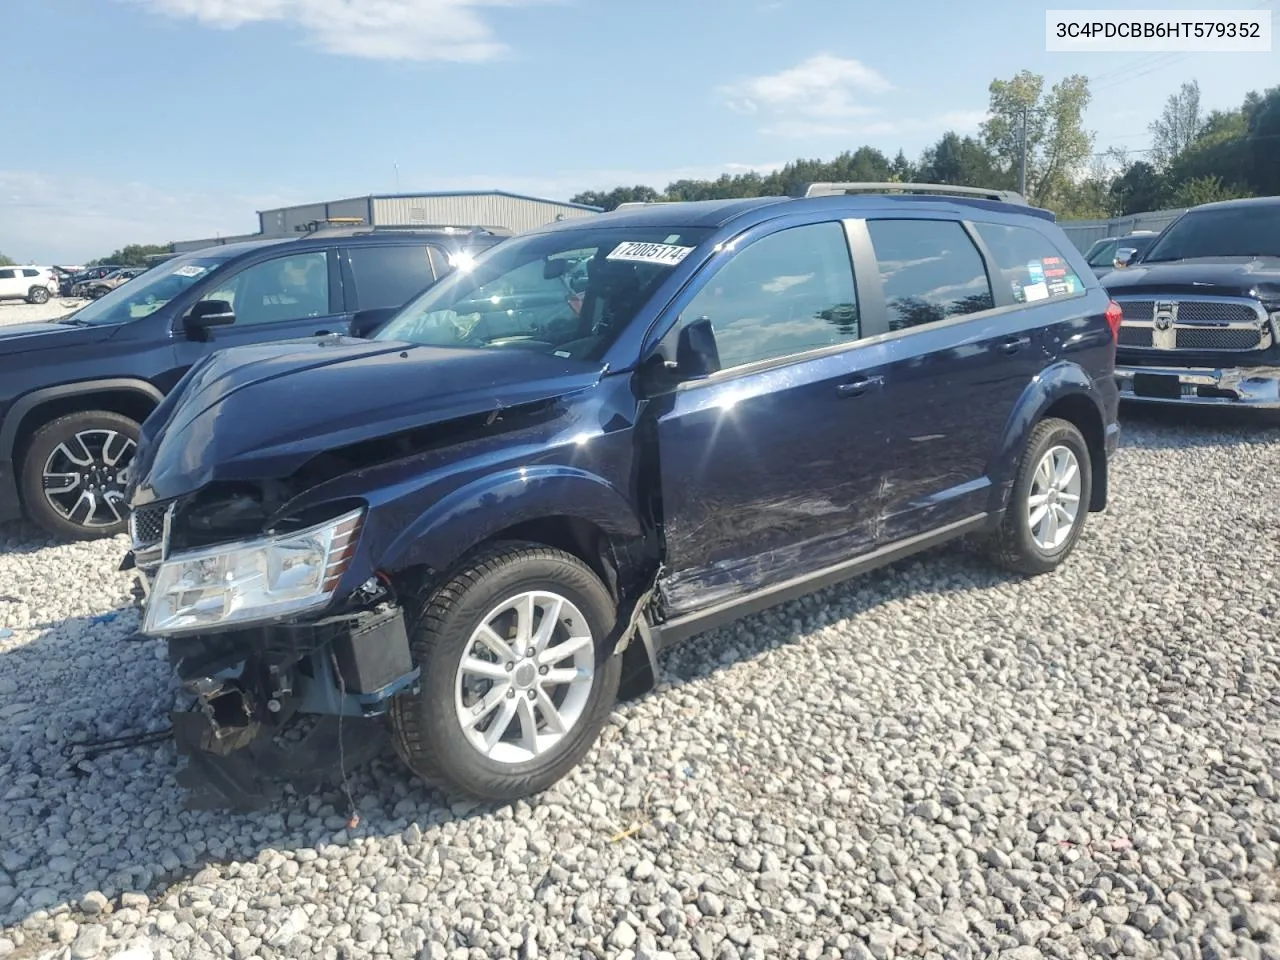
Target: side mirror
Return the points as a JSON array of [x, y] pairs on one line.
[[551, 269], [207, 314], [1124, 257], [365, 323], [696, 353]]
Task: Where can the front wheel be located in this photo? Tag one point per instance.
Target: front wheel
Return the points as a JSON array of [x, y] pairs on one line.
[[70, 474], [515, 684], [1049, 501]]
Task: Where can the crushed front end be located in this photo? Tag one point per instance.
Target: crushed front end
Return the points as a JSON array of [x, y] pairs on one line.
[[289, 665]]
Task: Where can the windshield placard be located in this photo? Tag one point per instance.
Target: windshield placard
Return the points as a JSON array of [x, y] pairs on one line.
[[634, 251]]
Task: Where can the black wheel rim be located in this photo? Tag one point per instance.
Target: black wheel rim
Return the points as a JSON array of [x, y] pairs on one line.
[[82, 481]]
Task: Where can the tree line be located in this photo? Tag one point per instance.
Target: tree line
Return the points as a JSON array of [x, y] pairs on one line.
[[1194, 157]]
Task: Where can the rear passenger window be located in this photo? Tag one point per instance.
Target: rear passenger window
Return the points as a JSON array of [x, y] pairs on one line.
[[8, 274], [31, 273], [390, 276], [930, 270], [1029, 263], [786, 293]]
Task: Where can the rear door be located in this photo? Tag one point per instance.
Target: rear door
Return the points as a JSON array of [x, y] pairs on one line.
[[771, 468], [282, 298], [965, 350], [386, 275]]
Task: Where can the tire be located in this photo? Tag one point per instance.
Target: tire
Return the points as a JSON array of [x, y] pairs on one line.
[[107, 441], [427, 729], [1019, 546], [38, 295]]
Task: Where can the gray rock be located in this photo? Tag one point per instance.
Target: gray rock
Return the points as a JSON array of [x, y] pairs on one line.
[[89, 942]]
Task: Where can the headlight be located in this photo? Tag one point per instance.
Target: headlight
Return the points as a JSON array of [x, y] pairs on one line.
[[251, 581]]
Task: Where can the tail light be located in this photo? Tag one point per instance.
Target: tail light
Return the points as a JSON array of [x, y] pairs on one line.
[[1115, 317]]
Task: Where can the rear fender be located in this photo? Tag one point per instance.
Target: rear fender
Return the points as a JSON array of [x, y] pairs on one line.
[[1057, 382], [476, 512]]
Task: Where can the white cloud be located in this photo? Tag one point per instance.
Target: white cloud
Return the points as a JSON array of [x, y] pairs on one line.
[[822, 86], [379, 29], [72, 219]]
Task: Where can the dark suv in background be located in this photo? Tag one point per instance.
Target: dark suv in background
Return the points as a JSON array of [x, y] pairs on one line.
[[74, 391], [605, 436]]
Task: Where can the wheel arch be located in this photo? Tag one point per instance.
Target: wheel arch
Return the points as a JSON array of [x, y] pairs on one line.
[[126, 396], [553, 506], [1065, 391]]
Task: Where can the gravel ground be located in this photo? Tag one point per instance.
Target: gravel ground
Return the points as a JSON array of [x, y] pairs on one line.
[[933, 761], [17, 311]]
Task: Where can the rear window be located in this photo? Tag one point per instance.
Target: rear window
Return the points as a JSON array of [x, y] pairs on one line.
[[390, 276], [1028, 263]]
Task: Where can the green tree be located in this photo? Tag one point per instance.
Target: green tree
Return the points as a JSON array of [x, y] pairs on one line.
[[962, 162], [1057, 144], [1139, 189], [1204, 190], [1221, 151], [902, 170], [616, 197], [134, 255], [1178, 126], [5, 261], [1263, 120]]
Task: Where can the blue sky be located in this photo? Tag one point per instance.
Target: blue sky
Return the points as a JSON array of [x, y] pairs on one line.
[[156, 120]]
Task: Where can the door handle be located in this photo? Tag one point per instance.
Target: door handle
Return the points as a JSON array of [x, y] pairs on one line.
[[859, 386], [1013, 344]]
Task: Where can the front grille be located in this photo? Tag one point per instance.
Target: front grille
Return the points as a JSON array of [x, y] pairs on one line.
[[1194, 324], [146, 525]]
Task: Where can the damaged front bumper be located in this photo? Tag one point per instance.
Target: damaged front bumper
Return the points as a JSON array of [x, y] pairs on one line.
[[1257, 387], [298, 703]]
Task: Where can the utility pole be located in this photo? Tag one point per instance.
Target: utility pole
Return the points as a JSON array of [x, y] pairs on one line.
[[1022, 164]]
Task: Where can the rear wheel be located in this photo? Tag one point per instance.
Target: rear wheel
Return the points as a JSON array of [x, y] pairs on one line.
[[38, 295], [70, 475], [1049, 502], [515, 687]]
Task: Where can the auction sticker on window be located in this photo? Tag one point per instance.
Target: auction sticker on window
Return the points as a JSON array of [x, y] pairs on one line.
[[666, 254], [190, 270]]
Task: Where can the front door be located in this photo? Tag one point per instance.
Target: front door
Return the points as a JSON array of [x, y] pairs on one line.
[[771, 468], [286, 297]]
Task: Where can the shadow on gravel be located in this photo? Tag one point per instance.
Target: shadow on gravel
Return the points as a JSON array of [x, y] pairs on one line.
[[19, 537], [1166, 428]]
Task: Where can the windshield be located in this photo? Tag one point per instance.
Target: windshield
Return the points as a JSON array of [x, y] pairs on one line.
[[1225, 232], [1101, 253], [569, 292], [145, 294]]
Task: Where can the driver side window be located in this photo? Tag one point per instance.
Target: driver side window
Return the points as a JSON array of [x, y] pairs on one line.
[[787, 293], [279, 290]]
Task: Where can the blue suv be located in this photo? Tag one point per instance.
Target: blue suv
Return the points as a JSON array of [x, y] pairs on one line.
[[478, 528]]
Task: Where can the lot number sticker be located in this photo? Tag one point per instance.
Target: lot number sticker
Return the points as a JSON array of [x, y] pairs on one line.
[[666, 254], [191, 270]]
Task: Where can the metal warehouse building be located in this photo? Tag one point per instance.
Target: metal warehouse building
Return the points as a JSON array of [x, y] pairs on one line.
[[493, 208]]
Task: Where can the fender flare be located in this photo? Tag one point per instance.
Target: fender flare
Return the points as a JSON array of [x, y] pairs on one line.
[[1058, 381], [475, 512], [29, 401]]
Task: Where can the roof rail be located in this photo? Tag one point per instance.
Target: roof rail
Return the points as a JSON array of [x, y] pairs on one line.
[[361, 229], [838, 189]]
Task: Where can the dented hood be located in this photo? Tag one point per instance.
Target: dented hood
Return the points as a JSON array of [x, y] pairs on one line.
[[261, 412]]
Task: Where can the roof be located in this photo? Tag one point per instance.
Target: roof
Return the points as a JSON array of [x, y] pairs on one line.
[[1242, 202], [718, 213], [446, 193]]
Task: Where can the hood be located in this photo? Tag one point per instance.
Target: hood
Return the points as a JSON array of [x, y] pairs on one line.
[[1208, 276], [261, 412], [24, 337]]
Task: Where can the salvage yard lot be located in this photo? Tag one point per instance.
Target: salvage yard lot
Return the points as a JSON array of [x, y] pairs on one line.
[[935, 760]]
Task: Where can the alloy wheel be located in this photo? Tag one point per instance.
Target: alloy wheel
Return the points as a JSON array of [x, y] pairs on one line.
[[83, 479], [1053, 503], [525, 677]]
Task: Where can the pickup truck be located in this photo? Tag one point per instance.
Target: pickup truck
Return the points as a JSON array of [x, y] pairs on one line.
[[1201, 308]]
